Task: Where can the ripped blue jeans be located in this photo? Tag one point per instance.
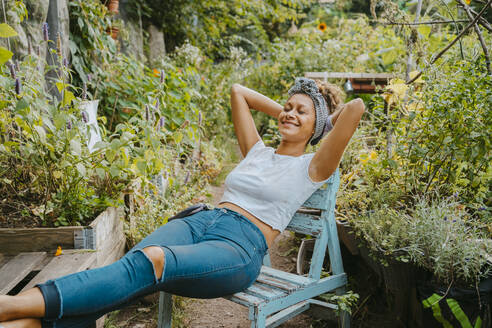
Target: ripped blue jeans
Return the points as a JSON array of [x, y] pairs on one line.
[[207, 255]]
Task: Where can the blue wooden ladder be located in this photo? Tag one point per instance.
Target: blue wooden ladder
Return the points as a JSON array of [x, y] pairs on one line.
[[277, 296]]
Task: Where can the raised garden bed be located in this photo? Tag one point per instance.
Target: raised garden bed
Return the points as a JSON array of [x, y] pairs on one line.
[[28, 254], [104, 234]]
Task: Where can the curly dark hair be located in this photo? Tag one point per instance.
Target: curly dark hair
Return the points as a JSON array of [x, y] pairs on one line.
[[333, 94]]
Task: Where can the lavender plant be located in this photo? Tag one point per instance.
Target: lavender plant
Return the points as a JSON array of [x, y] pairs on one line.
[[435, 234]]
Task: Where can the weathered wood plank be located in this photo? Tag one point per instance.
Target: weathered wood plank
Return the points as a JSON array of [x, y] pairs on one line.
[[245, 299], [108, 231], [322, 286], [104, 225], [311, 211], [264, 291], [165, 310], [305, 224], [317, 200], [275, 282], [17, 240], [44, 262], [347, 236], [17, 268], [282, 316], [113, 254], [290, 277], [349, 75], [69, 262]]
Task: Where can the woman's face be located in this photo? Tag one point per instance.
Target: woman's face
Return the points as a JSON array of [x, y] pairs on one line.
[[297, 120]]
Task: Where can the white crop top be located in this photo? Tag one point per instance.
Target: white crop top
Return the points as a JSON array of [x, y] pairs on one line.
[[270, 186]]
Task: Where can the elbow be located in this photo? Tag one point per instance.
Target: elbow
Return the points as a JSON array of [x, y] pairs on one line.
[[235, 88], [357, 107]]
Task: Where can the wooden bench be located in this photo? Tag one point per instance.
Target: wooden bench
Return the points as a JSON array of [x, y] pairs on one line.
[[361, 82], [277, 296]]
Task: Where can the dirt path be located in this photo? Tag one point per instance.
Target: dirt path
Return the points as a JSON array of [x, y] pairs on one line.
[[220, 312]]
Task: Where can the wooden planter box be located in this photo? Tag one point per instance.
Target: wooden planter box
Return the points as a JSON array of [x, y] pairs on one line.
[[347, 236], [27, 254], [104, 234]]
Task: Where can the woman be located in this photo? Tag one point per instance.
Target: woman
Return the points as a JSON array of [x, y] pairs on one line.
[[216, 252]]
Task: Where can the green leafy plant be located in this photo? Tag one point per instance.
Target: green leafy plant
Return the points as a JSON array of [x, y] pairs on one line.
[[46, 170], [345, 301], [215, 26], [91, 47], [435, 234]]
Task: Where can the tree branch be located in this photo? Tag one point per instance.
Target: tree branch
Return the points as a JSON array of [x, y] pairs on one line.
[[484, 9], [455, 25], [480, 37], [411, 44], [482, 21], [424, 23]]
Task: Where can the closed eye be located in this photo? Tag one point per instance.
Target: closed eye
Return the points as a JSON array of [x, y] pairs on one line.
[[300, 111]]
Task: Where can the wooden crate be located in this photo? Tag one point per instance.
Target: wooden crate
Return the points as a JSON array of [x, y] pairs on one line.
[[21, 272], [104, 231], [27, 255]]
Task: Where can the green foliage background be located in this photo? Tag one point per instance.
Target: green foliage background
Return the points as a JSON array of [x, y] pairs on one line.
[[416, 174]]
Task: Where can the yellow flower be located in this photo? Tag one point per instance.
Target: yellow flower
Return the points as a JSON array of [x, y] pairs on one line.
[[365, 157], [395, 91], [467, 2], [322, 27]]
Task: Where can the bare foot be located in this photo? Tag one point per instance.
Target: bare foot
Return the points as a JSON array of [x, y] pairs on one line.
[[22, 323]]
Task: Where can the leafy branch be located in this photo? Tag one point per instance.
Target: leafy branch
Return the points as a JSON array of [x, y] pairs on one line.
[[472, 23]]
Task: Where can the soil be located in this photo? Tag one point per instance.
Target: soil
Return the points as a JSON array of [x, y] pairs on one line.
[[12, 217]]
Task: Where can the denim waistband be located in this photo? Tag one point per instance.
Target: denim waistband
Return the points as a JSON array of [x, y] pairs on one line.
[[248, 221]]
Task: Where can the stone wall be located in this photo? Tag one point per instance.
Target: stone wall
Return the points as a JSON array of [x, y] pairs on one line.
[[55, 13], [134, 27], [30, 35], [157, 47]]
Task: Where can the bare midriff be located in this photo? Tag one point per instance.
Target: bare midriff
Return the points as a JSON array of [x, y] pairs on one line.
[[268, 232]]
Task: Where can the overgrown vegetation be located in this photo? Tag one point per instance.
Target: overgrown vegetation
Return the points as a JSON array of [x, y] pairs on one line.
[[416, 177]]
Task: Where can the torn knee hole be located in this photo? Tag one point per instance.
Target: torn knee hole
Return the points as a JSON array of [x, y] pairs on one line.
[[156, 255]]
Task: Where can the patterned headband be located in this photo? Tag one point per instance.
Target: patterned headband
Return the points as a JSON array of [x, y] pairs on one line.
[[308, 86]]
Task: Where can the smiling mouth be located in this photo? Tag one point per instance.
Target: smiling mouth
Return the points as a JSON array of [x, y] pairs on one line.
[[289, 123]]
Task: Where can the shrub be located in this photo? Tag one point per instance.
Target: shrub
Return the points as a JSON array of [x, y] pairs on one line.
[[435, 234]]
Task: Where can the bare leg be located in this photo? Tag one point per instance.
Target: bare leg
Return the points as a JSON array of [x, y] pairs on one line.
[[28, 304], [22, 323]]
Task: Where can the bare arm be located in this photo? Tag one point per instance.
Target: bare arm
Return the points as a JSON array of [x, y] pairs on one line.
[[259, 102], [336, 114], [328, 156], [242, 100]]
